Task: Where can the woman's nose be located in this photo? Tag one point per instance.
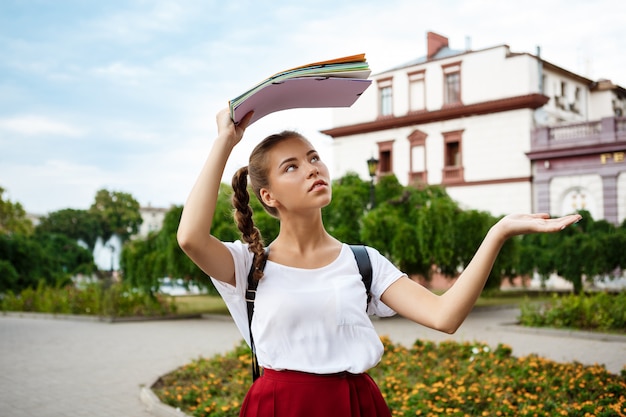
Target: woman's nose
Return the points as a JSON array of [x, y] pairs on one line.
[[313, 170]]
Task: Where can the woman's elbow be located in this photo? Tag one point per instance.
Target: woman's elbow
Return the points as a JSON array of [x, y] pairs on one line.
[[447, 325], [185, 241]]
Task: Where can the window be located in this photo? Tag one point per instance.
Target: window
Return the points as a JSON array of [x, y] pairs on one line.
[[417, 157], [385, 156], [452, 83], [385, 97], [453, 154], [560, 95], [574, 104], [417, 91], [453, 157]]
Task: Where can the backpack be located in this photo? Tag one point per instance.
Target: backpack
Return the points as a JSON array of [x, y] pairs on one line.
[[365, 269]]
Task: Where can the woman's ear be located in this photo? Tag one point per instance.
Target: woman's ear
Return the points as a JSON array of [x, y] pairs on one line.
[[267, 197]]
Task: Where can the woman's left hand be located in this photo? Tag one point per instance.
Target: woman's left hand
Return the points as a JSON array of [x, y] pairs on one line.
[[522, 224]]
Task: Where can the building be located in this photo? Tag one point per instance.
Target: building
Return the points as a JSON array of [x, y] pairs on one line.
[[482, 123], [152, 220]]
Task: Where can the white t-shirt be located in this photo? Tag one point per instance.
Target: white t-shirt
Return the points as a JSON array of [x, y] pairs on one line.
[[311, 320]]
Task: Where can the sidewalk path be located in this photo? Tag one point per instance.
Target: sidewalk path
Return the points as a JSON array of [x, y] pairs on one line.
[[68, 368]]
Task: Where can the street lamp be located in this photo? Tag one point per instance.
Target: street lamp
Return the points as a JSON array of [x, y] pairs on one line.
[[112, 249], [372, 167]]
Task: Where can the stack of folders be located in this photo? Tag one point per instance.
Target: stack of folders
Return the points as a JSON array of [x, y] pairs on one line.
[[333, 83]]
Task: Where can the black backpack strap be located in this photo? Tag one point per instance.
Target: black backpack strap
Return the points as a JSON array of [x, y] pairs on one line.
[[365, 268], [250, 296]]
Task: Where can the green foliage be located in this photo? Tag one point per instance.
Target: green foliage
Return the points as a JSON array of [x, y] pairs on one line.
[[101, 299], [76, 224], [118, 213], [158, 255], [13, 217], [388, 188], [600, 311], [143, 264], [10, 276], [436, 232], [587, 249], [429, 379], [268, 225], [224, 227], [52, 258], [342, 217]]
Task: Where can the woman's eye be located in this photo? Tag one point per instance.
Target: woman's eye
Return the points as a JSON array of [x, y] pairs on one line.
[[290, 168], [315, 159]]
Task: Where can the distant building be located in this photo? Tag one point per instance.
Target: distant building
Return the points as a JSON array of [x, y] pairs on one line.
[[153, 218], [502, 131]]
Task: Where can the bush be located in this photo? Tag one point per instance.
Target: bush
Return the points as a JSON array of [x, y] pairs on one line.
[[600, 311], [428, 379], [101, 299]]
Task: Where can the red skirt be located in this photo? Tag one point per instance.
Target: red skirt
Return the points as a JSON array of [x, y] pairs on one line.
[[300, 394]]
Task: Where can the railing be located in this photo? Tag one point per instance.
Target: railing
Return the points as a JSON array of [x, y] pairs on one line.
[[452, 175], [418, 177], [577, 130], [609, 129]]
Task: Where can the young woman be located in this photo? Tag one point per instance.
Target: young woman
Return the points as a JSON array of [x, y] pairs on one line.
[[312, 333]]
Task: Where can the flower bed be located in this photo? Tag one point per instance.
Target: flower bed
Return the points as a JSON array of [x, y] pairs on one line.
[[427, 379]]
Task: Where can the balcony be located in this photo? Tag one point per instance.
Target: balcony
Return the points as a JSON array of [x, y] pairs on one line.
[[606, 134], [452, 175]]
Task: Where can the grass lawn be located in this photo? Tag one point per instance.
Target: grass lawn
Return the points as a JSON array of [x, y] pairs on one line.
[[195, 304], [213, 304]]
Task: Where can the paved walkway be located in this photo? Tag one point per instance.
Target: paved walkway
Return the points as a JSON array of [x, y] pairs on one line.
[[67, 368]]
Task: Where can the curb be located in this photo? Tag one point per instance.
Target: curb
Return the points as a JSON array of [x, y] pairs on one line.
[[576, 334], [155, 407], [104, 319]]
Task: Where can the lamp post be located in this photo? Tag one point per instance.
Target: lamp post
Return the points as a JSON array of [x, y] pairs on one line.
[[372, 167], [112, 249]]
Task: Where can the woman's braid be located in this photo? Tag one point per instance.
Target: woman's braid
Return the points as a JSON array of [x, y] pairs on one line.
[[243, 216]]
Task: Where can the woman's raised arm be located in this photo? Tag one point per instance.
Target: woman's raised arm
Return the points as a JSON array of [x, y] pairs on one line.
[[194, 231]]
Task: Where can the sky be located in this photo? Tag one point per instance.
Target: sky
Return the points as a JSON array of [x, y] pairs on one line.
[[122, 95]]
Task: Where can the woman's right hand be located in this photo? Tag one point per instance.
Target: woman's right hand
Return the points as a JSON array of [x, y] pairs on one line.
[[227, 129]]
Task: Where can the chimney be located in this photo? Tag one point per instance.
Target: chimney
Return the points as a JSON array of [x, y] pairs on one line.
[[435, 43]]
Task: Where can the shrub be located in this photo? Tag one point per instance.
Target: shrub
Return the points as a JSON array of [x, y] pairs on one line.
[[102, 299], [427, 379], [600, 311]]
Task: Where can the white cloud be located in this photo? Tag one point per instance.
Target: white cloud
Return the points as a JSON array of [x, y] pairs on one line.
[[142, 24], [124, 73], [32, 125], [52, 186]]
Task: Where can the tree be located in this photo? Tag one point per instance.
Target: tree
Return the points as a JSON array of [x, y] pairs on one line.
[[404, 227], [13, 217], [587, 250], [77, 224], [343, 215], [52, 258], [176, 262], [146, 260], [118, 213]]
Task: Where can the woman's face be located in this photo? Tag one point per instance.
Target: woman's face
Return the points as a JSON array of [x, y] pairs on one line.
[[298, 179]]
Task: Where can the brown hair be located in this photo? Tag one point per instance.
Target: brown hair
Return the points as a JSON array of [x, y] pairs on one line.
[[258, 171]]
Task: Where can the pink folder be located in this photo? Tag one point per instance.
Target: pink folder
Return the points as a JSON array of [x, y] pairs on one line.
[[305, 92]]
